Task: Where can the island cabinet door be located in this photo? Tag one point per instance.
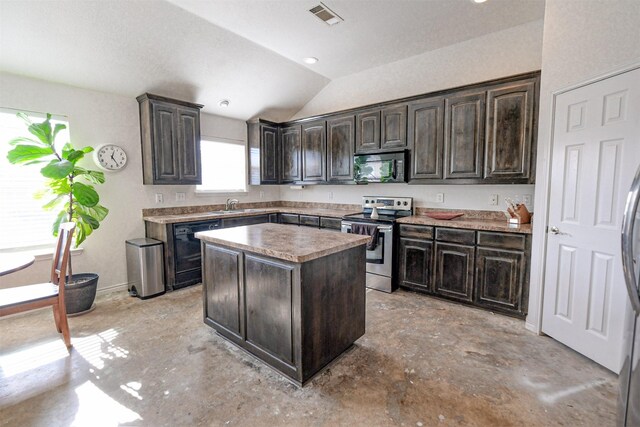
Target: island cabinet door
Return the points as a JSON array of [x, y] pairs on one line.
[[270, 295], [223, 305], [454, 265]]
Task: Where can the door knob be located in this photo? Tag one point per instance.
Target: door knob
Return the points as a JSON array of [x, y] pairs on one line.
[[554, 230]]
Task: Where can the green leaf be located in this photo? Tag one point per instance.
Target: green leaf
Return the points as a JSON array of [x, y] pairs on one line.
[[73, 155], [59, 186], [57, 169], [83, 230], [85, 194], [59, 127], [98, 212], [62, 216], [87, 149], [27, 153], [52, 203], [91, 175], [91, 221], [24, 139], [42, 131]]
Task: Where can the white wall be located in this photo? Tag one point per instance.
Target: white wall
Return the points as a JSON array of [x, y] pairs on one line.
[[512, 51], [503, 53], [582, 40], [97, 118], [455, 196]]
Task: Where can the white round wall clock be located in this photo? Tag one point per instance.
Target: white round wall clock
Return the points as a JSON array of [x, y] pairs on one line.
[[110, 157]]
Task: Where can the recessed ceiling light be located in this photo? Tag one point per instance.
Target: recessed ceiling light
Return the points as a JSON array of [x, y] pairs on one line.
[[224, 103], [310, 60], [479, 1]]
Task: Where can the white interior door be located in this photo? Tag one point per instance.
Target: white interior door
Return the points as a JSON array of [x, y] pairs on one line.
[[596, 151]]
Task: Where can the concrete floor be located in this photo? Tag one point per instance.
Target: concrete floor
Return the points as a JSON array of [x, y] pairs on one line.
[[422, 362]]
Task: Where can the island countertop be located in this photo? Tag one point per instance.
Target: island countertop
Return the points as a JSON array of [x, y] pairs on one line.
[[286, 242]]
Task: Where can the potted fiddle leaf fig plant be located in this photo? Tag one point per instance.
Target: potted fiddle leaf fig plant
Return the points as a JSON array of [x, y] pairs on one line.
[[68, 190]]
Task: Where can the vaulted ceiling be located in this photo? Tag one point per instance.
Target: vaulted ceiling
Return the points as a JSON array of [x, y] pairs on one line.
[[247, 51]]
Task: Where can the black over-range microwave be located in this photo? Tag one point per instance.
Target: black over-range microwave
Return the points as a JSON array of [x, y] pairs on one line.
[[380, 167]]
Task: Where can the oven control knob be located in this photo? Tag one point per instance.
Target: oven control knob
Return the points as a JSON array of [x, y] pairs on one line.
[[398, 203], [406, 203], [366, 201]]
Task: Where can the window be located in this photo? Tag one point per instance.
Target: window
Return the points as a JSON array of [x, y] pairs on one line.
[[224, 166], [23, 222]]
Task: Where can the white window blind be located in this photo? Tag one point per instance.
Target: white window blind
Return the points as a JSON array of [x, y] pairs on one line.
[[224, 166], [23, 222]]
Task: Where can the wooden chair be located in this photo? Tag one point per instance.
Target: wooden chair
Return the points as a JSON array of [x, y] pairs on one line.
[[31, 297]]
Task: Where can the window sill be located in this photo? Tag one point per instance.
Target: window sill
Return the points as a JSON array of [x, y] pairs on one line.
[[221, 192], [41, 254]]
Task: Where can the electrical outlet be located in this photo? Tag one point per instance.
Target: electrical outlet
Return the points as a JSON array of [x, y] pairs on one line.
[[526, 199], [330, 195], [159, 198], [180, 197], [493, 200], [440, 198], [262, 194]]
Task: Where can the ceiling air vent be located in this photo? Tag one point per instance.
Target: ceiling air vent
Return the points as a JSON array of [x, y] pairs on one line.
[[325, 14]]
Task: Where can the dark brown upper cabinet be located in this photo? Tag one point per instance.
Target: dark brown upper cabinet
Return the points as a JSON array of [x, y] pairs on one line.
[[426, 138], [264, 152], [291, 154], [170, 136], [382, 129], [464, 135], [314, 152], [340, 145], [393, 129], [368, 131], [509, 131]]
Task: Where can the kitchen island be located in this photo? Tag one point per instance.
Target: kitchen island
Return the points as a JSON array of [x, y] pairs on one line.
[[293, 297]]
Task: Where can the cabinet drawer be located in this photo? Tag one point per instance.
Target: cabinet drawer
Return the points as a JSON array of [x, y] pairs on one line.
[[286, 218], [310, 220], [456, 236], [416, 231], [332, 223], [502, 240]]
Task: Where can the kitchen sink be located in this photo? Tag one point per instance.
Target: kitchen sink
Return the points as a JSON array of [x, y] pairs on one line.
[[234, 211]]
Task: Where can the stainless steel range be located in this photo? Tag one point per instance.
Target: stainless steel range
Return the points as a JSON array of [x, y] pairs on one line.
[[377, 219]]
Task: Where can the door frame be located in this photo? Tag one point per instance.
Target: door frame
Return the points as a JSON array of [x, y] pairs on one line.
[[536, 293]]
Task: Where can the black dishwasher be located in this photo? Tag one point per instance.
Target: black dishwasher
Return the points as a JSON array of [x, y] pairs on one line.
[[186, 252]]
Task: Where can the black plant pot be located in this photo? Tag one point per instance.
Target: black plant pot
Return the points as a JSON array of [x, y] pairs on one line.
[[80, 292]]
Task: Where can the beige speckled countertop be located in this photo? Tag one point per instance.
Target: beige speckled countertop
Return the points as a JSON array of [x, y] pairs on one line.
[[469, 223], [201, 216], [296, 244]]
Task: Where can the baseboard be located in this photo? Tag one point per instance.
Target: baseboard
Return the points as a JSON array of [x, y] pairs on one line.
[[112, 288], [532, 328]]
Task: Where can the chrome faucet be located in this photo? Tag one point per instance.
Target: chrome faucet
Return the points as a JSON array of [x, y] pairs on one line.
[[230, 204]]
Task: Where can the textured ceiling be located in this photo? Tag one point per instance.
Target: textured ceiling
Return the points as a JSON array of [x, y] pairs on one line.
[[373, 33], [248, 51]]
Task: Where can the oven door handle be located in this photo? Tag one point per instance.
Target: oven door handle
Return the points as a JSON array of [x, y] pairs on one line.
[[381, 228]]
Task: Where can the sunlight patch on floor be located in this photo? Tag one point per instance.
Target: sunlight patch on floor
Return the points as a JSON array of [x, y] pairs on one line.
[[96, 408], [33, 357], [97, 348]]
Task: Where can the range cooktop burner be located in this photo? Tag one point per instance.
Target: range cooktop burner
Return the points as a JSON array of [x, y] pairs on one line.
[[389, 209]]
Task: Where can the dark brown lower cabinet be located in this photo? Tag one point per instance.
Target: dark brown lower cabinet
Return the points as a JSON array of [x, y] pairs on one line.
[[483, 268], [415, 261], [501, 278], [296, 317], [454, 265]]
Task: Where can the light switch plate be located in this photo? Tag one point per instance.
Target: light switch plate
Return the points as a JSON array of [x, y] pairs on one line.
[[180, 197], [440, 198]]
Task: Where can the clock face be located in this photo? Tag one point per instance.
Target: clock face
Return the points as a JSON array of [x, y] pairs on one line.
[[111, 157]]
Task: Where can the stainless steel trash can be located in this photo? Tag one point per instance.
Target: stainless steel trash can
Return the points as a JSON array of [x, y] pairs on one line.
[[145, 267]]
